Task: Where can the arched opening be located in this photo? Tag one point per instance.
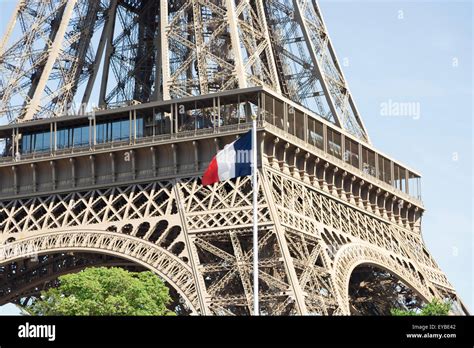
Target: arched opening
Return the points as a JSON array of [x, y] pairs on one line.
[[171, 268], [375, 291], [22, 280]]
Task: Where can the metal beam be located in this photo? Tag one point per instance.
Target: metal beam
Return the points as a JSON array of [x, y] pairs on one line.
[[269, 49], [200, 52], [54, 51], [165, 59], [341, 72], [312, 51], [157, 93], [108, 27], [11, 24], [235, 42], [108, 52]]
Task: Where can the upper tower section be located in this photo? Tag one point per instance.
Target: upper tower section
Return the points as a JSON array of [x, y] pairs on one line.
[[57, 54]]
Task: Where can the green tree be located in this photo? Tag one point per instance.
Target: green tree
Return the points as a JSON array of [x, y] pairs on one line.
[[435, 307], [104, 291]]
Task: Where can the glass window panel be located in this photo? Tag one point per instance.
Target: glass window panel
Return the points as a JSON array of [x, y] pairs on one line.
[[315, 133], [140, 126], [279, 122], [125, 129], [116, 130], [159, 118], [334, 143], [108, 132], [185, 122], [25, 143], [385, 171], [63, 138], [368, 161], [316, 139], [100, 136], [299, 124], [39, 142], [387, 165], [34, 143], [403, 180], [85, 135], [396, 177], [269, 109], [77, 136], [41, 138], [60, 139], [162, 124], [230, 113], [46, 141], [69, 134], [382, 175], [319, 130], [199, 120], [351, 154], [291, 120]]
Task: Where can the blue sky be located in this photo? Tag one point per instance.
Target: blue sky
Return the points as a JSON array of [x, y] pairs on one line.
[[419, 52]]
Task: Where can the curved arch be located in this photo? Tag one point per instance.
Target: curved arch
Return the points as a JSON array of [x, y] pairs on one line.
[[355, 254], [144, 253], [36, 274]]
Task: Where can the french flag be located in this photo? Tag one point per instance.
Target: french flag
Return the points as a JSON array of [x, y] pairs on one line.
[[231, 162]]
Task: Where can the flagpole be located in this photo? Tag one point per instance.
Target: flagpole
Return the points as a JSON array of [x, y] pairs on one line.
[[256, 310]]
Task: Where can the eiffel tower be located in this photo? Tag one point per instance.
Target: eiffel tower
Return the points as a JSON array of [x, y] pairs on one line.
[[115, 108]]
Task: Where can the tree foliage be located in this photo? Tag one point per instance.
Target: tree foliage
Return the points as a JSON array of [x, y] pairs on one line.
[[104, 291], [435, 307]]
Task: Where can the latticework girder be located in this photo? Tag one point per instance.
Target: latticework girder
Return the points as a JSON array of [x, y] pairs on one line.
[[309, 242], [325, 221], [148, 50]]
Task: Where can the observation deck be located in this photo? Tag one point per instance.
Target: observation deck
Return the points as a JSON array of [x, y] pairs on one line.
[[178, 138]]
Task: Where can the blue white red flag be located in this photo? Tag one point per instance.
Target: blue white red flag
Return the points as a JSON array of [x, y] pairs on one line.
[[231, 162]]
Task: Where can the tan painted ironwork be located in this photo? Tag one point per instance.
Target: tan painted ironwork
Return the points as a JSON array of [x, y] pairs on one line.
[[320, 216], [309, 240]]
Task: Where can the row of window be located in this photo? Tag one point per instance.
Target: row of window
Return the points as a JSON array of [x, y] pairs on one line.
[[119, 130], [291, 120], [275, 112], [109, 131]]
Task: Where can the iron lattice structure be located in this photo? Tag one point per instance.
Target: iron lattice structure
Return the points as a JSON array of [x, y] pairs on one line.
[[320, 216], [168, 49]]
